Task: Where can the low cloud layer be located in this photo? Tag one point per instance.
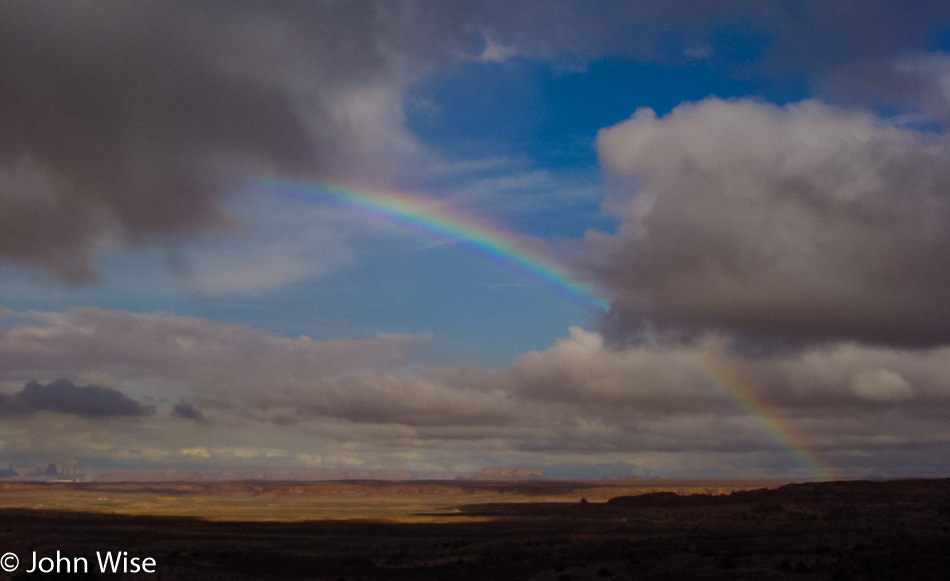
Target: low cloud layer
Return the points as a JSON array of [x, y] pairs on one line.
[[227, 361], [677, 411], [804, 222]]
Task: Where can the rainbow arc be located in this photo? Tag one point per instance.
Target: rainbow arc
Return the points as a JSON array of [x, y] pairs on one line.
[[443, 224]]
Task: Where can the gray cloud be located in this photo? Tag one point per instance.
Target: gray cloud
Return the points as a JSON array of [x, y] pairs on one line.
[[412, 399], [82, 400], [116, 123], [803, 222], [823, 37], [188, 411], [227, 361], [131, 124], [917, 84]]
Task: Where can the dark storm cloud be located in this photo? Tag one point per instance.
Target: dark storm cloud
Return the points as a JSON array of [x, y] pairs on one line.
[[820, 36], [116, 118], [130, 123], [82, 400], [804, 222]]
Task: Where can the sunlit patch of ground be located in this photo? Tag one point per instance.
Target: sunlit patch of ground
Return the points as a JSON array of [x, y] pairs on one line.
[[294, 502]]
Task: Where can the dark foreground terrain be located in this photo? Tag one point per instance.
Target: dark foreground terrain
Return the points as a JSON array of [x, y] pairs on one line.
[[836, 530]]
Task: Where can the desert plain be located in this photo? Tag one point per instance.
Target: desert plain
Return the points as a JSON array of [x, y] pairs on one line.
[[542, 530]]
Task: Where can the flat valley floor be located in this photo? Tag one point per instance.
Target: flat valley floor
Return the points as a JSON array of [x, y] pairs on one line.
[[547, 530]]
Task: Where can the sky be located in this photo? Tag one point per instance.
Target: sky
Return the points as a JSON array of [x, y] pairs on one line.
[[591, 238]]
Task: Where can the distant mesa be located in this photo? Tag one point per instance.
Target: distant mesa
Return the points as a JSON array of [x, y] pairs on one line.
[[509, 474]]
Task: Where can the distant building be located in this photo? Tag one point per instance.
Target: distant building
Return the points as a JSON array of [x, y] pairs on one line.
[[61, 473], [8, 473]]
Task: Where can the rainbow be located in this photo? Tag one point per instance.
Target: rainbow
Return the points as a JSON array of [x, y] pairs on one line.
[[732, 384], [440, 222]]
